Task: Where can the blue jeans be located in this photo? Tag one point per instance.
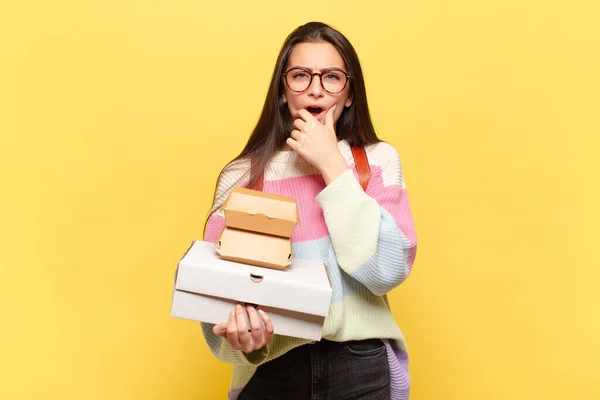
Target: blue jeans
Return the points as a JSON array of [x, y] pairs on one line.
[[356, 370]]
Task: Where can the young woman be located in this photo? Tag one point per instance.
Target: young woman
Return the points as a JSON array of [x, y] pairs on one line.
[[307, 144]]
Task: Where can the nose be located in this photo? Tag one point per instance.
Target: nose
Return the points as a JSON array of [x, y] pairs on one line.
[[315, 89]]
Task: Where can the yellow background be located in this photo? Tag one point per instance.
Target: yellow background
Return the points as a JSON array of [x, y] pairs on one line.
[[116, 117]]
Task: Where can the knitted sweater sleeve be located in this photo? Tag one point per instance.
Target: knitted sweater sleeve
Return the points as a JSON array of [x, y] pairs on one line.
[[372, 233]]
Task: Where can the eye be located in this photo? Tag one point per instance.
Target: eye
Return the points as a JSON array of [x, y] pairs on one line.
[[299, 74], [333, 76]]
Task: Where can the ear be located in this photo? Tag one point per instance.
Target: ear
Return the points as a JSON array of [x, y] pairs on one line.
[[348, 102], [284, 99]]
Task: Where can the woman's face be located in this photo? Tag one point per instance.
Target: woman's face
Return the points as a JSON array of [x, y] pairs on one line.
[[316, 57]]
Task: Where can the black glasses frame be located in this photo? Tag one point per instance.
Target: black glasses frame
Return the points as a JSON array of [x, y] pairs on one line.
[[312, 75]]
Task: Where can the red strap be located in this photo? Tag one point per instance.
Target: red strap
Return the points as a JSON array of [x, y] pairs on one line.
[[362, 166], [360, 160]]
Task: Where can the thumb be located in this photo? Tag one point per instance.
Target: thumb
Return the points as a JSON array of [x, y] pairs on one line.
[[220, 329], [329, 118]]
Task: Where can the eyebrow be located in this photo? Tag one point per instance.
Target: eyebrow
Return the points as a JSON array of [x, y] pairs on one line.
[[321, 70]]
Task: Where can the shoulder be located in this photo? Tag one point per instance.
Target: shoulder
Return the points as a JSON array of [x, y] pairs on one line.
[[385, 160], [382, 154], [236, 173], [378, 154], [237, 166]]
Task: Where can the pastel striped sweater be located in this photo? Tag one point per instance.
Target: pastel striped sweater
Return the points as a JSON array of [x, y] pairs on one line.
[[366, 239]]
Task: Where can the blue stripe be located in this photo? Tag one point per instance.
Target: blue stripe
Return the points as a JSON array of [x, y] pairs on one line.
[[388, 267], [321, 250]]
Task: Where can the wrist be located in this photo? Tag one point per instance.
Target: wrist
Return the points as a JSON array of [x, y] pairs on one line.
[[333, 167]]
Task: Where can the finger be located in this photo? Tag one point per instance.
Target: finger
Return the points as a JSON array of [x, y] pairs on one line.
[[329, 117], [306, 116], [269, 329], [220, 329], [292, 143], [299, 124], [256, 329], [296, 134], [242, 327], [232, 335]]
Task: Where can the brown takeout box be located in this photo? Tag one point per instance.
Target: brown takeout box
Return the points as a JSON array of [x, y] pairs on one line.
[[258, 228]]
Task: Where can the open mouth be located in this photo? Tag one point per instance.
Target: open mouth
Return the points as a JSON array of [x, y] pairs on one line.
[[315, 110]]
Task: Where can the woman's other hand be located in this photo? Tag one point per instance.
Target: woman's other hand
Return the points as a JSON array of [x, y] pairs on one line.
[[239, 336]]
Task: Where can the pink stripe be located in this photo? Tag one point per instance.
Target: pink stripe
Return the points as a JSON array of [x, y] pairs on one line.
[[394, 199], [312, 225], [214, 227], [304, 189]]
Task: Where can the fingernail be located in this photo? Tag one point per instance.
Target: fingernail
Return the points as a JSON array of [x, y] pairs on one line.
[[261, 312], [223, 328]]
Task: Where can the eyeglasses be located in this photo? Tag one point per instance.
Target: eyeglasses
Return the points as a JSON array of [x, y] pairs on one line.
[[333, 80]]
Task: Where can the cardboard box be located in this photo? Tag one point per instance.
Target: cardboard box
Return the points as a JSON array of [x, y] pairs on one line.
[[257, 211], [296, 299], [258, 228], [254, 248]]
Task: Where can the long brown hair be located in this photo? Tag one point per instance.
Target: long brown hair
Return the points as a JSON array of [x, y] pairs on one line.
[[275, 123]]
